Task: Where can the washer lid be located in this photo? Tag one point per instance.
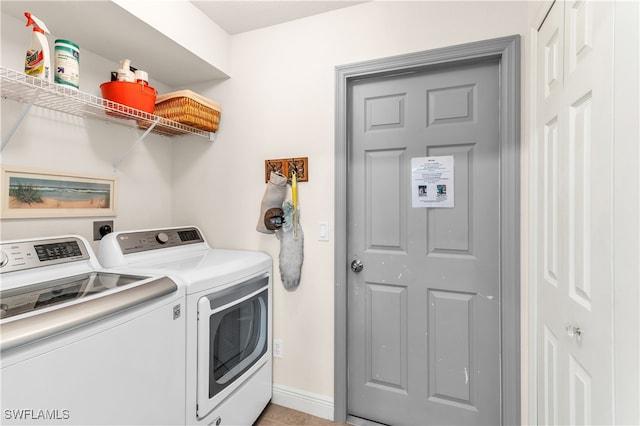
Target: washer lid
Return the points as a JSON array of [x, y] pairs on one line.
[[38, 296], [35, 325]]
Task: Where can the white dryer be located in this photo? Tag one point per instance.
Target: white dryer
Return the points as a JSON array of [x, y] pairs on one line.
[[228, 317]]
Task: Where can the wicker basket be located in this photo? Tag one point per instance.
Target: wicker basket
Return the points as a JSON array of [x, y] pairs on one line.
[[189, 108]]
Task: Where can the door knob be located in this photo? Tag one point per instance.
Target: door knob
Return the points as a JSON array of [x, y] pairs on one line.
[[357, 265], [573, 331]]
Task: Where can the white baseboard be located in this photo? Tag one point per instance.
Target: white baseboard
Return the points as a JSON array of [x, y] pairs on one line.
[[307, 402]]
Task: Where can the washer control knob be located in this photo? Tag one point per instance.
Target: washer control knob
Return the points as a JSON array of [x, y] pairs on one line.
[[162, 238], [4, 259]]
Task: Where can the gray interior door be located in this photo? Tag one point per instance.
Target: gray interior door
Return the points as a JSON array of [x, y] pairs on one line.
[[424, 312]]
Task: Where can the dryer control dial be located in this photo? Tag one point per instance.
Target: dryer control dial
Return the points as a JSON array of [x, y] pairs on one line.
[[162, 237]]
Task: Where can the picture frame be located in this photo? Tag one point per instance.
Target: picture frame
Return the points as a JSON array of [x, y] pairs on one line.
[[30, 193]]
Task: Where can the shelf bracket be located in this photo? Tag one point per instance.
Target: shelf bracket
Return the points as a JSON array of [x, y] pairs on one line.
[[23, 114], [135, 144]]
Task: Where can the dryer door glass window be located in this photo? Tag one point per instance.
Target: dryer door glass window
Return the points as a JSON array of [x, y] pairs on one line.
[[237, 340]]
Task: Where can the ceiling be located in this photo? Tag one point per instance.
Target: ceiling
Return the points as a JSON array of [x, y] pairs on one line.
[[92, 24], [238, 16]]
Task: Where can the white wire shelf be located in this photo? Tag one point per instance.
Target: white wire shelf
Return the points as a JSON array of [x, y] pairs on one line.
[[34, 91]]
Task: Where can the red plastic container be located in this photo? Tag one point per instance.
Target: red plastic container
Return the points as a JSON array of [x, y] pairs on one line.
[[134, 95]]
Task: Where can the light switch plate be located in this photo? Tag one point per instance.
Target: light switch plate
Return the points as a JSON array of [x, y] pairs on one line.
[[323, 231]]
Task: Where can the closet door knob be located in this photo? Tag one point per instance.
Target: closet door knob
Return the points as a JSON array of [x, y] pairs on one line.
[[357, 265], [573, 331]]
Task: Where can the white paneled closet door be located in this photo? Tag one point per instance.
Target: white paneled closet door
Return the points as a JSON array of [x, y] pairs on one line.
[[574, 214]]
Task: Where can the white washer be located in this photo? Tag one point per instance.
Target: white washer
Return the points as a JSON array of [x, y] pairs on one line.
[[228, 309], [81, 345]]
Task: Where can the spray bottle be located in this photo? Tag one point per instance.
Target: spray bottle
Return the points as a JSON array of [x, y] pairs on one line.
[[37, 62]]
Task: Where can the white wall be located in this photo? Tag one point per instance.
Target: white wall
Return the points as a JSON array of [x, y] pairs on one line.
[[279, 103], [626, 261], [59, 142]]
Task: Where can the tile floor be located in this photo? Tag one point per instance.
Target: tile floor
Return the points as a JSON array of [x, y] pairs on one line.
[[277, 415]]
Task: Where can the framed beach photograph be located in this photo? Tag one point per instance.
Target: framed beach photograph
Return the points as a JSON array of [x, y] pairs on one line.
[[35, 193]]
